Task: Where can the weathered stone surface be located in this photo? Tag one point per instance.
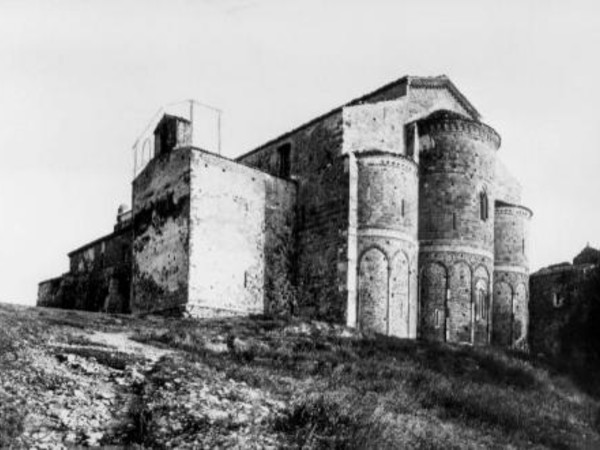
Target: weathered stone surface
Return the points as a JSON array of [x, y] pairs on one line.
[[511, 275], [387, 189], [161, 211], [318, 167], [511, 235], [241, 235], [99, 278], [456, 226], [562, 297], [391, 213]]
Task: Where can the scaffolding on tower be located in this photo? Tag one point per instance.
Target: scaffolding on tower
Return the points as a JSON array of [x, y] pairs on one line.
[[205, 124]]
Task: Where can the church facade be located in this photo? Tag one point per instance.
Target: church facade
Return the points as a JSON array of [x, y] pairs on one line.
[[391, 213]]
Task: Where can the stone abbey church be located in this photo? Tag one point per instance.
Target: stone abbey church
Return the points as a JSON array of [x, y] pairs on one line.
[[391, 213]]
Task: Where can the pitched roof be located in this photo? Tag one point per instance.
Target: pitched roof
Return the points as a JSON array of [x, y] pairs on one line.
[[401, 86]]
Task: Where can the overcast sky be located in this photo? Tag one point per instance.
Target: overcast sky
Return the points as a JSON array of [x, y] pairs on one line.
[[80, 79]]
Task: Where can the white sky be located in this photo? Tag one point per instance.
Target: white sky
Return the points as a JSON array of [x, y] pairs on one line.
[[80, 79]]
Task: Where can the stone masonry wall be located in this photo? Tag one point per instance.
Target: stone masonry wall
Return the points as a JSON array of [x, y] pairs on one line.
[[99, 277], [511, 276], [422, 101], [418, 100], [48, 293], [380, 125], [281, 252], [161, 209], [511, 236], [510, 309], [241, 237], [456, 169], [320, 163], [375, 126], [387, 243], [316, 162], [333, 220], [555, 294], [449, 283]]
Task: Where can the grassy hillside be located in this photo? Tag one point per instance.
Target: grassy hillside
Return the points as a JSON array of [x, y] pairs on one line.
[[79, 378]]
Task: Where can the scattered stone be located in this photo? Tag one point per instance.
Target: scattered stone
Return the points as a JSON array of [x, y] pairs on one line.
[[93, 438], [70, 437], [216, 347], [236, 345], [346, 333], [65, 358], [216, 416], [105, 394], [78, 394]]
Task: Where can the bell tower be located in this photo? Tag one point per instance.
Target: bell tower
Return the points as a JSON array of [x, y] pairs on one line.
[[170, 133]]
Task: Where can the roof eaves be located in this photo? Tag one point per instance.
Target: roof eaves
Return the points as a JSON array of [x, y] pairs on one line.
[[354, 102]]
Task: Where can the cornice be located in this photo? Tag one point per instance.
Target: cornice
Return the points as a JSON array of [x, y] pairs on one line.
[[455, 124], [503, 208]]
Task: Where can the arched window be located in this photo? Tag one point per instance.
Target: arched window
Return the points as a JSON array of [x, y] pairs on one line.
[[483, 206]]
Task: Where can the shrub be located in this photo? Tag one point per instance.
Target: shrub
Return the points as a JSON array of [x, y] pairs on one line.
[[320, 421], [11, 424]]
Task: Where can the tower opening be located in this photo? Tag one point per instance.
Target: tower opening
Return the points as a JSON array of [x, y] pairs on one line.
[[284, 152], [483, 206]]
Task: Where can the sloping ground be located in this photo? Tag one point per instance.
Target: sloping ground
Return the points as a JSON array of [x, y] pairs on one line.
[[72, 378]]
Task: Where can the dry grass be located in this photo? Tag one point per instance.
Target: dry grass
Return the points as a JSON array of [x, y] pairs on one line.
[[383, 392], [343, 391]]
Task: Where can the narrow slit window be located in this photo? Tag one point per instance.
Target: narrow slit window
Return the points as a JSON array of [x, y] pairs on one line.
[[483, 206], [403, 208], [558, 300], [284, 152], [484, 304], [481, 305], [438, 320], [409, 139]]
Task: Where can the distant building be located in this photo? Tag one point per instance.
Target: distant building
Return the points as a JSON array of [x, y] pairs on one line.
[[559, 299], [99, 277], [391, 213]]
